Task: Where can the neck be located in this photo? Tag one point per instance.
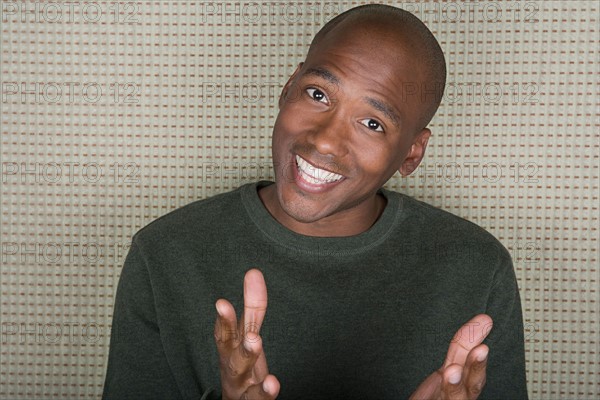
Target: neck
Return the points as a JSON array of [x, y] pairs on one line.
[[344, 223]]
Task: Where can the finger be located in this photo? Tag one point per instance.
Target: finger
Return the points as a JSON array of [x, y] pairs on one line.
[[453, 387], [430, 388], [466, 338], [242, 361], [260, 367], [266, 390], [226, 332], [255, 304], [475, 371]]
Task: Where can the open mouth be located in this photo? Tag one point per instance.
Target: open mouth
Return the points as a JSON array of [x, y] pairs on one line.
[[313, 175]]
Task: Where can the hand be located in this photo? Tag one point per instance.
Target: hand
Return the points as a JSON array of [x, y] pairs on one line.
[[462, 363], [242, 361]]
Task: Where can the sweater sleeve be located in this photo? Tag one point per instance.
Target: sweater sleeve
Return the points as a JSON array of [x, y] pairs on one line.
[[506, 376], [137, 364]]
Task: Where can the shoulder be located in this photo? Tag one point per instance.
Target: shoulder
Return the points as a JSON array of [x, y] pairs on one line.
[[193, 220], [444, 229]]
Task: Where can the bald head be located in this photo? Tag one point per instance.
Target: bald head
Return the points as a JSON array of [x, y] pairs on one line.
[[411, 38]]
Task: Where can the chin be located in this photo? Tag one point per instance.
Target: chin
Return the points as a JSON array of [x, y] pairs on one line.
[[298, 210]]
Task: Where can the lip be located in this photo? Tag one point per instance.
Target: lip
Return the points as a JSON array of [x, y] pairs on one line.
[[308, 186]]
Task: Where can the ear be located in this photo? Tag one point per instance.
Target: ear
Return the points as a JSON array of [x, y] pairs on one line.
[[416, 153], [289, 85]]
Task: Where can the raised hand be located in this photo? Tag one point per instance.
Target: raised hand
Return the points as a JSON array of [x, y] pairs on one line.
[[242, 361], [462, 376]]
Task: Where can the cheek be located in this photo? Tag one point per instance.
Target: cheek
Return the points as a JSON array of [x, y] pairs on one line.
[[374, 156], [282, 137], [379, 160], [288, 124]]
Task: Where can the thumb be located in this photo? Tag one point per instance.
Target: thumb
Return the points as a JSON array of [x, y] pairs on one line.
[[430, 388], [470, 335]]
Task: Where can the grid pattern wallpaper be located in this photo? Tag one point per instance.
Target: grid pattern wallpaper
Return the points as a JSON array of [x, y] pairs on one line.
[[114, 113]]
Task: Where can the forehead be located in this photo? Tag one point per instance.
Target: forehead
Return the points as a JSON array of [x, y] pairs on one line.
[[377, 60], [383, 33], [384, 50]]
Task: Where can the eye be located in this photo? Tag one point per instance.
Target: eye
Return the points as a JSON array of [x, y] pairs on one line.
[[317, 95], [372, 124]]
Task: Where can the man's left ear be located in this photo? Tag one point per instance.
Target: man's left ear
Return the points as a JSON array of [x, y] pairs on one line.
[[416, 153]]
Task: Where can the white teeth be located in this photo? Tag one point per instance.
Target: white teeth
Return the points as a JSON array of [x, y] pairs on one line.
[[314, 175]]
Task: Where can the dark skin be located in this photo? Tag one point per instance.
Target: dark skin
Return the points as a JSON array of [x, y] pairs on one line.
[[245, 374], [344, 113]]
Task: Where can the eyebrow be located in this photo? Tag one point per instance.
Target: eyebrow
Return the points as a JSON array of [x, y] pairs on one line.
[[323, 73], [384, 108], [377, 104]]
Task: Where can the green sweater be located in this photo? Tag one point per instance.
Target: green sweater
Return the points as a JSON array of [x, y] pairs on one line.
[[368, 316]]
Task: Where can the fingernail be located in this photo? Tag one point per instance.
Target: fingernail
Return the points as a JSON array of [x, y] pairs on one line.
[[482, 356], [455, 377], [265, 387], [218, 311]]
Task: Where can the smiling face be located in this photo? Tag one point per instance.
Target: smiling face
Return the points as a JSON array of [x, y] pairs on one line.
[[347, 122]]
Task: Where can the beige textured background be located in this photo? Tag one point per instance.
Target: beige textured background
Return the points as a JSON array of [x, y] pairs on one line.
[[114, 113]]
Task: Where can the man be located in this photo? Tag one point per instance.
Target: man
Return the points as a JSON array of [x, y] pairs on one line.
[[366, 287]]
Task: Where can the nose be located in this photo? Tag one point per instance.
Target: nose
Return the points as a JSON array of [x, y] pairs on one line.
[[330, 135]]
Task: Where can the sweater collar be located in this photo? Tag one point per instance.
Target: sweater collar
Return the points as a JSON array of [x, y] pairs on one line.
[[285, 237]]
